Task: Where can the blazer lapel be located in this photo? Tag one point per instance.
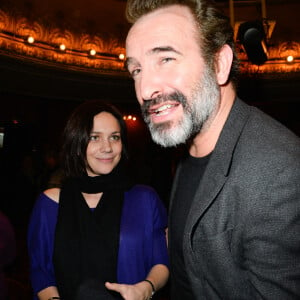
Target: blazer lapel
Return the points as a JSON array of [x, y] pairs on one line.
[[218, 166]]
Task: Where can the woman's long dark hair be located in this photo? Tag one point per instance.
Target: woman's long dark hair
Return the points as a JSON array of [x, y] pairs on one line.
[[76, 135]]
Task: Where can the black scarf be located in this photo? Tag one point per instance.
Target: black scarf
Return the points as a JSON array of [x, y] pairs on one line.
[[86, 242]]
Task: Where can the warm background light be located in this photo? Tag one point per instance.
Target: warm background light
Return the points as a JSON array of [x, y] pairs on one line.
[[92, 52], [62, 47], [129, 118], [30, 39], [290, 58]]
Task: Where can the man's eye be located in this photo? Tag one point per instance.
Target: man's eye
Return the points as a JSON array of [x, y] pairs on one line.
[[135, 72], [167, 59]]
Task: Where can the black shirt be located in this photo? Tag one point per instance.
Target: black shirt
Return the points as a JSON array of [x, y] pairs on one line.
[[189, 178]]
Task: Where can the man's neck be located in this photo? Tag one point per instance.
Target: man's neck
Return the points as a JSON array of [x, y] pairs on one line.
[[206, 140]]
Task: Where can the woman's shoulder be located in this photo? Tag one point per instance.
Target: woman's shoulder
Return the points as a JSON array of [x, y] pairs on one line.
[[46, 203], [143, 201], [53, 194], [142, 189], [142, 194]]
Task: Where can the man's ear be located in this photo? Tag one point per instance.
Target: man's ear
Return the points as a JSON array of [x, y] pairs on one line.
[[223, 64]]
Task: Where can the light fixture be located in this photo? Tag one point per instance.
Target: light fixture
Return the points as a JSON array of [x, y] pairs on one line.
[[129, 118], [30, 39], [92, 52], [290, 58], [121, 56], [252, 37], [62, 47]]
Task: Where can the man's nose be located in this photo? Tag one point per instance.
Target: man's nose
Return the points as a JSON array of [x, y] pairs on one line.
[[151, 85]]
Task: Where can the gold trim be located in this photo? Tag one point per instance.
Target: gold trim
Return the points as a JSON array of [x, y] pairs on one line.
[[14, 32]]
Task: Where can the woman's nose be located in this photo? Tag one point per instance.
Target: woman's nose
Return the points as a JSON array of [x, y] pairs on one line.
[[106, 146]]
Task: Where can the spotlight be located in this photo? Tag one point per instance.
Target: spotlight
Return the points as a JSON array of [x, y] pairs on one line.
[[252, 36]]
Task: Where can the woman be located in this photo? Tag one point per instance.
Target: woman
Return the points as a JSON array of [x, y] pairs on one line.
[[99, 233]]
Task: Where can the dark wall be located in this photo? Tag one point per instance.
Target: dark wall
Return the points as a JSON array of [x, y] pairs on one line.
[[277, 95], [36, 101]]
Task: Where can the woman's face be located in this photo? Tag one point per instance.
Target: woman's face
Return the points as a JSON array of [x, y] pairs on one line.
[[105, 146]]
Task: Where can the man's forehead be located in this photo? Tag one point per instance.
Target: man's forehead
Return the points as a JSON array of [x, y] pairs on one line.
[[160, 27], [161, 17]]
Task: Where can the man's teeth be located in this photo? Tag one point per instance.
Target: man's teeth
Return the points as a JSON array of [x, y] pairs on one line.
[[162, 108]]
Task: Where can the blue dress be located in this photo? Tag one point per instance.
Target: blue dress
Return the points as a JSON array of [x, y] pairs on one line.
[[142, 238]]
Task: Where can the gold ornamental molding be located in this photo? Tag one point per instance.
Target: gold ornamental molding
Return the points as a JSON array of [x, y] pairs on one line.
[[21, 38], [282, 58], [29, 40]]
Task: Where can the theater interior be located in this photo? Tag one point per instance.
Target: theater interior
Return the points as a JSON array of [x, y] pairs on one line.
[[56, 54]]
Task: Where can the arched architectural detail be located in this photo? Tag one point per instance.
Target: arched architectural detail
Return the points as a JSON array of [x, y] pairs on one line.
[[14, 30]]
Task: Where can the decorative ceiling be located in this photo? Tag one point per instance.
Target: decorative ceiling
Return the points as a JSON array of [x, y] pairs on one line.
[[41, 69], [104, 18], [42, 73], [74, 34], [90, 35]]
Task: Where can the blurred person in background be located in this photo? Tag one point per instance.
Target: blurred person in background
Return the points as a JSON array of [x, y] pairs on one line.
[[7, 251]]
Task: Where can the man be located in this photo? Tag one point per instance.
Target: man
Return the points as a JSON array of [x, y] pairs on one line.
[[234, 228]]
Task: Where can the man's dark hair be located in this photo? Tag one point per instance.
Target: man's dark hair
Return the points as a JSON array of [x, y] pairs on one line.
[[214, 27], [77, 132]]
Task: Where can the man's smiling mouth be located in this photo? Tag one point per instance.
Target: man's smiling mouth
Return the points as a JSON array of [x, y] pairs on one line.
[[163, 109]]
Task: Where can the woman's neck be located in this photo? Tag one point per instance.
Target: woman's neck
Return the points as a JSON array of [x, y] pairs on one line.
[[92, 200]]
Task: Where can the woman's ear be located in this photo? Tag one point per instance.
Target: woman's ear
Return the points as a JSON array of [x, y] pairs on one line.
[[223, 64]]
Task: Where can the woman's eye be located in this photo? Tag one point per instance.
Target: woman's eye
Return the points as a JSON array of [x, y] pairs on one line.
[[115, 137], [94, 138]]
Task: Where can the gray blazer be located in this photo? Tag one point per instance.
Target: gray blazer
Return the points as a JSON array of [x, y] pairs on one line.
[[242, 236]]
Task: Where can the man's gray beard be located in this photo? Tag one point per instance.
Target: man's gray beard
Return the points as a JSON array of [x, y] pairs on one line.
[[196, 113]]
